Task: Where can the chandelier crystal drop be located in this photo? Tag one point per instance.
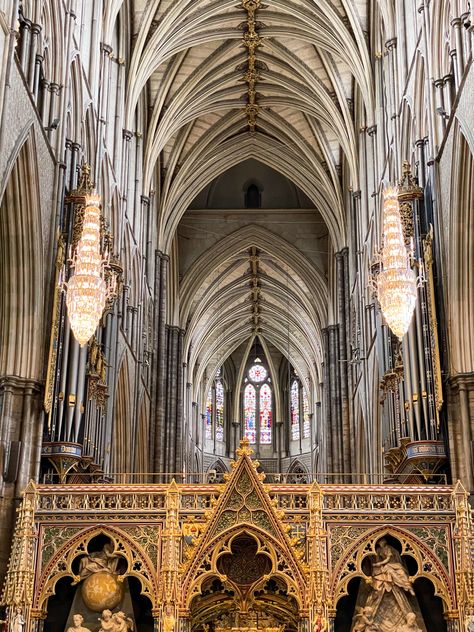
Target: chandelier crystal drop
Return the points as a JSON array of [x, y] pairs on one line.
[[396, 281], [87, 290]]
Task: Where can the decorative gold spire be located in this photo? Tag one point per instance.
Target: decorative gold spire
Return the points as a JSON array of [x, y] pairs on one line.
[[18, 590]]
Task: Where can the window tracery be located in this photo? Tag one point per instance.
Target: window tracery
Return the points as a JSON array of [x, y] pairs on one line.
[[258, 404], [214, 413]]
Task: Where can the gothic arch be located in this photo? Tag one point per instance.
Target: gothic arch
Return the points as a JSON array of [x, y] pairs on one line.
[[298, 473], [349, 565], [21, 277], [122, 420], [461, 253], [204, 566], [139, 564]]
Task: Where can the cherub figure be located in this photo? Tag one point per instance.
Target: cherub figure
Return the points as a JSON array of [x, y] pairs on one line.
[[363, 620], [107, 623], [122, 622]]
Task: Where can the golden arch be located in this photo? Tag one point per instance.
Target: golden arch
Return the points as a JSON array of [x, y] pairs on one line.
[[283, 564], [429, 565], [139, 564]]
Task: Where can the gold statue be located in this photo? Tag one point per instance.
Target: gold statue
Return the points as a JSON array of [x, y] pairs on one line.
[[169, 619]]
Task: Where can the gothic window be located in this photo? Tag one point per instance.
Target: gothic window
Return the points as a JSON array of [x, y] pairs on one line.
[[214, 416], [219, 410], [250, 410], [258, 405], [300, 418], [306, 416], [265, 414], [209, 414], [295, 410], [253, 198]]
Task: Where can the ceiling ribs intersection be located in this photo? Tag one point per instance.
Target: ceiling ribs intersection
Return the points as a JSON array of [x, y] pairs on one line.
[[252, 40]]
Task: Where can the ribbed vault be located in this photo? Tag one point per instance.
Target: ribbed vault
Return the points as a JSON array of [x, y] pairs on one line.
[[230, 81], [253, 283], [189, 57]]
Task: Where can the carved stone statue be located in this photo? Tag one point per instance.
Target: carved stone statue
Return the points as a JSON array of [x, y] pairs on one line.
[[389, 571], [98, 561], [18, 622], [122, 623], [363, 620], [78, 620], [410, 625], [106, 622], [388, 601], [117, 622]]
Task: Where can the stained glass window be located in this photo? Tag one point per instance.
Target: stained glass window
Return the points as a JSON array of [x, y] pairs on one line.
[[257, 373], [306, 416], [265, 414], [209, 414], [250, 412], [219, 411], [295, 410]]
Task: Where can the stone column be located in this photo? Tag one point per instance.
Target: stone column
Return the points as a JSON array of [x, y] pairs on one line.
[[21, 428]]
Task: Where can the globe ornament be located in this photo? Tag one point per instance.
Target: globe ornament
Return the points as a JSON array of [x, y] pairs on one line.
[[101, 591]]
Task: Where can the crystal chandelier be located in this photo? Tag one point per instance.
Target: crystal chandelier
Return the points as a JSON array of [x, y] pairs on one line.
[[396, 281], [93, 282]]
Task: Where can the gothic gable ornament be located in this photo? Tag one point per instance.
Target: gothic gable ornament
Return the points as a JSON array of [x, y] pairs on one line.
[[244, 507]]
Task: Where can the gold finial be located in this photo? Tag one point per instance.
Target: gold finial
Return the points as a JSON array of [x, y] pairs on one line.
[[244, 449]]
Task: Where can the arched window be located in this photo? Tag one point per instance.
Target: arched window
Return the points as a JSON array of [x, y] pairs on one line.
[[300, 417], [306, 416], [295, 410], [250, 413], [219, 410], [253, 198], [209, 414], [214, 415], [265, 414], [258, 405]]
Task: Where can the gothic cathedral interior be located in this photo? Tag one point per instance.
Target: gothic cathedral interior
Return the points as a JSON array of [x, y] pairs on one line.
[[236, 316]]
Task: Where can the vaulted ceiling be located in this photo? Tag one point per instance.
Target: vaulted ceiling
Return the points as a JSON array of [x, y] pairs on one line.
[[231, 80]]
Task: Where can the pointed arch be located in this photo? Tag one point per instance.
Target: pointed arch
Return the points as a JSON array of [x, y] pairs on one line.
[[121, 452], [349, 565], [139, 563], [21, 277]]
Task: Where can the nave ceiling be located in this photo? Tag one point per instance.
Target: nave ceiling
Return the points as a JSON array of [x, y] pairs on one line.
[[312, 69]]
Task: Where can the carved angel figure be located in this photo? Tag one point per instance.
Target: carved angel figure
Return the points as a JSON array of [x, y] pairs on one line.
[[363, 620], [122, 623], [106, 622]]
